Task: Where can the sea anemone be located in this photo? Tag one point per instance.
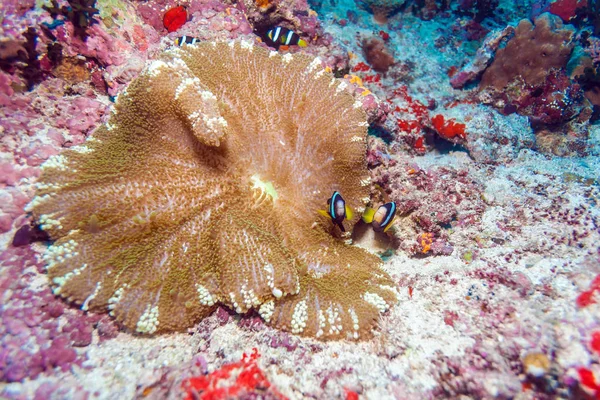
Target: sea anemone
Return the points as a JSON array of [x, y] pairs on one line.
[[203, 188]]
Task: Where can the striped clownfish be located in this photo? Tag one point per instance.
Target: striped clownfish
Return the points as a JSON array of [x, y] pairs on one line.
[[285, 37], [337, 210], [382, 219], [180, 41]]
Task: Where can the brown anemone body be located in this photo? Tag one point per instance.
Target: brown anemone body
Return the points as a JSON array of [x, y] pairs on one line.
[[169, 209]]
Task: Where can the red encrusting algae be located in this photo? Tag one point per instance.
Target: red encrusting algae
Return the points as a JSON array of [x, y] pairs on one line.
[[567, 9], [448, 128], [595, 342], [175, 18], [361, 67], [587, 297], [351, 395], [588, 380], [233, 380]]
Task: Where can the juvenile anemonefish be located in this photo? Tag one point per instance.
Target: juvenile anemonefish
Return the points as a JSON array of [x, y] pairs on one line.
[[383, 218], [337, 210], [283, 36], [180, 41]]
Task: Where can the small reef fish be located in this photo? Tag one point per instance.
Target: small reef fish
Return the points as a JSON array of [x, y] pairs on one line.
[[337, 210], [382, 219], [180, 41], [283, 36]]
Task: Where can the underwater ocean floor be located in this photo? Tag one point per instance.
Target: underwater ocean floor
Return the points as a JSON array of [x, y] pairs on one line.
[[465, 323], [498, 278]]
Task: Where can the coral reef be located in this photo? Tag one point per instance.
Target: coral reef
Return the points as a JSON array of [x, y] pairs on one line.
[[591, 14], [208, 212], [587, 74], [422, 221], [478, 9], [495, 138], [30, 69], [79, 12], [531, 53], [377, 55], [483, 58], [381, 9], [494, 254], [594, 50], [28, 313], [428, 9], [529, 77]]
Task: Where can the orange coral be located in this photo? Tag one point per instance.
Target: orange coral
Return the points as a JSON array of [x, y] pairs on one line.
[[263, 5], [426, 239], [72, 70], [204, 187]]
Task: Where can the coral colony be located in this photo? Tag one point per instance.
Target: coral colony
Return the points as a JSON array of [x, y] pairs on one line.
[[368, 199]]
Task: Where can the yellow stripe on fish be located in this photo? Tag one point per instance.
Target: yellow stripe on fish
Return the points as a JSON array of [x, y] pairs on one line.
[[381, 219], [337, 210]]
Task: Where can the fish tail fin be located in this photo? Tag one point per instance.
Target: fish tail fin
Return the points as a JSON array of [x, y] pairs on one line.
[[368, 215], [390, 225], [302, 43], [349, 213], [341, 226], [324, 213]]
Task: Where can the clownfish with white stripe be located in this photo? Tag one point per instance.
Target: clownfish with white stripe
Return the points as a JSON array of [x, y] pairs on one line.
[[382, 219], [180, 41], [284, 37], [337, 210]]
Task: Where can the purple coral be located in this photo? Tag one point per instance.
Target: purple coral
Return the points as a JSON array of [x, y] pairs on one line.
[[26, 314]]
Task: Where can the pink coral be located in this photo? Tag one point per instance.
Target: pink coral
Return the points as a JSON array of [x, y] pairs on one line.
[[28, 314], [428, 200], [107, 49]]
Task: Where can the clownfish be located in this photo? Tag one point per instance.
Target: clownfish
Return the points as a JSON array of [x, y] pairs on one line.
[[180, 41], [337, 210], [383, 218], [283, 36]]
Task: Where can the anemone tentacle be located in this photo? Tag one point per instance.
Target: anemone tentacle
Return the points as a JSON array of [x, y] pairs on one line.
[[203, 188]]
